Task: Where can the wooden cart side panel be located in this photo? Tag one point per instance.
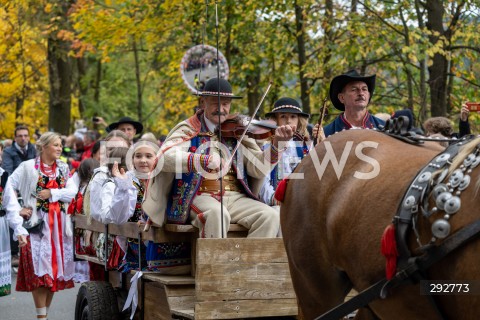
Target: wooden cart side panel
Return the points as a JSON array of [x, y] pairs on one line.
[[243, 281], [131, 229], [241, 250], [245, 308], [241, 278], [161, 300]]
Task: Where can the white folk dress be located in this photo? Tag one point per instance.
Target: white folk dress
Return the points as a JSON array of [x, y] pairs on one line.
[[47, 259], [13, 220]]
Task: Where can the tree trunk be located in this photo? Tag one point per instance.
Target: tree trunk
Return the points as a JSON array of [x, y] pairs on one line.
[[60, 78], [423, 69], [138, 81], [302, 59], [98, 78], [438, 69], [19, 102], [253, 81], [82, 88]]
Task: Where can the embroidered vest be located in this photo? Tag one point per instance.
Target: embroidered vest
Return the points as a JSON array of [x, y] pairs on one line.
[[42, 182], [185, 189], [276, 175], [138, 213]]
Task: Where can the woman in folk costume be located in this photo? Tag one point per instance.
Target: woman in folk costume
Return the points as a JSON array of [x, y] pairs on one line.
[[46, 262], [167, 257], [287, 111], [81, 177], [9, 217]]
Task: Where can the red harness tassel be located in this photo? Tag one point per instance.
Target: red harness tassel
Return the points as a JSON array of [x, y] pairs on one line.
[[389, 250], [281, 188]]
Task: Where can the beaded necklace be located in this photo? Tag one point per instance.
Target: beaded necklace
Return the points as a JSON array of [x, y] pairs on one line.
[[49, 171]]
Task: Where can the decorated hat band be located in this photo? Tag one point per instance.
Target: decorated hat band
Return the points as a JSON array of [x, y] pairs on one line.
[[218, 93], [286, 106]]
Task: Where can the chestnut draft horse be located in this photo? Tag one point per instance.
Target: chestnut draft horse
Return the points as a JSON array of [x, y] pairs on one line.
[[332, 224]]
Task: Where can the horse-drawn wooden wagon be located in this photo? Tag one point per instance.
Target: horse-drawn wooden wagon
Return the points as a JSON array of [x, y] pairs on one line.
[[231, 278]]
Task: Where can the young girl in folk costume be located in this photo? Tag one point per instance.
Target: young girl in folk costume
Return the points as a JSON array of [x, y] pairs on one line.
[[46, 262], [168, 257], [287, 111], [81, 177], [9, 217]]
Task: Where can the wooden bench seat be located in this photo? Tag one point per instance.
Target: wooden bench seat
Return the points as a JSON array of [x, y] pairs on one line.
[[170, 232]]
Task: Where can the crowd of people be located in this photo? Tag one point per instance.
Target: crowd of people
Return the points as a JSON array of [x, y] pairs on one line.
[[197, 180]]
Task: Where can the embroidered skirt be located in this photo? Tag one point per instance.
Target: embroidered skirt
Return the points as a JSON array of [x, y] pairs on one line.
[[5, 259], [28, 281]]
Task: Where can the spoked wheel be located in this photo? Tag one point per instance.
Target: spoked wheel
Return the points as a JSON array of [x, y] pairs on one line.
[[96, 300]]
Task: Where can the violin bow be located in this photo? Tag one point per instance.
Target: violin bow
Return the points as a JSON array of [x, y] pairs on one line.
[[322, 116], [239, 141]]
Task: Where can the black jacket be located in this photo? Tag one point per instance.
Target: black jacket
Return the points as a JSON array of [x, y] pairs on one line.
[[12, 157]]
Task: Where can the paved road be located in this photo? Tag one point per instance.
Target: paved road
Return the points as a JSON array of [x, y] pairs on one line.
[[19, 305]]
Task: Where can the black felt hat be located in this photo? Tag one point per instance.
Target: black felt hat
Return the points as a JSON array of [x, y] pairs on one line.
[[137, 125], [339, 82], [216, 85], [287, 105]]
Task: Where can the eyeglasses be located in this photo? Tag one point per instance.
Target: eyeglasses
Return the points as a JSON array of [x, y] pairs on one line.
[[22, 136]]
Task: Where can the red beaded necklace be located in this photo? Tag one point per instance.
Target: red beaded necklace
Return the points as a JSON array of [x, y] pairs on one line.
[[49, 171]]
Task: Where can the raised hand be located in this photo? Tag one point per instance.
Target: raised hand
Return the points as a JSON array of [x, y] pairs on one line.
[[118, 173]]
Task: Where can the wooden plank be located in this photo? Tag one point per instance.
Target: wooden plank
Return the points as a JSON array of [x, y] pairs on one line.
[[89, 258], [156, 303], [245, 309], [190, 228], [81, 223], [131, 229], [169, 279], [240, 250], [237, 281], [188, 314]]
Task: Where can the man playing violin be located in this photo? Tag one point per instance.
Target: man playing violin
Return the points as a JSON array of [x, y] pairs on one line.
[[191, 186]]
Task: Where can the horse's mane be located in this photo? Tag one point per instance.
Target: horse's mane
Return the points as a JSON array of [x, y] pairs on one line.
[[462, 154]]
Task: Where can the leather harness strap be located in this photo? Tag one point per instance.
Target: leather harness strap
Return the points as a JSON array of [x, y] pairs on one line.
[[380, 289]]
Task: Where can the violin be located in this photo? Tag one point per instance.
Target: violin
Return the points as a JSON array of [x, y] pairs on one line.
[[236, 124]]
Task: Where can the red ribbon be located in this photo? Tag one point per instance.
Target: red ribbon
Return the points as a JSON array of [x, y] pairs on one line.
[[54, 212], [76, 205]]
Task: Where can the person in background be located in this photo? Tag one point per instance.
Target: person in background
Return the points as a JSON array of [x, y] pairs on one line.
[[96, 150], [351, 93], [46, 261], [149, 136], [463, 124], [21, 150], [89, 139], [9, 217], [81, 177], [97, 198], [438, 125], [129, 126]]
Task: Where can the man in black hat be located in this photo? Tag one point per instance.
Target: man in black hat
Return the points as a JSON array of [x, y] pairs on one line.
[[190, 187], [129, 126], [351, 93]]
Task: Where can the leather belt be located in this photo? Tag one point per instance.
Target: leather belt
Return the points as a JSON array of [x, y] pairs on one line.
[[214, 185]]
